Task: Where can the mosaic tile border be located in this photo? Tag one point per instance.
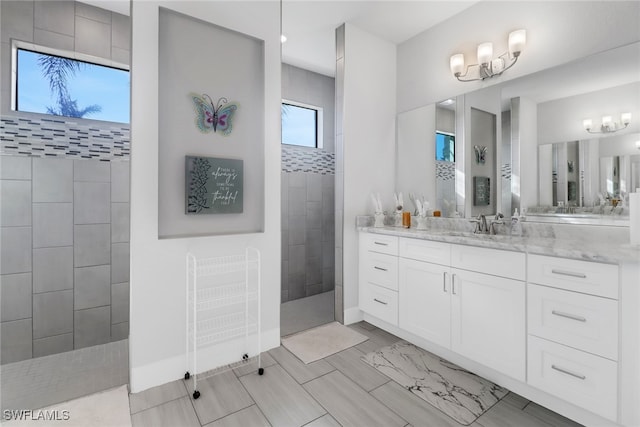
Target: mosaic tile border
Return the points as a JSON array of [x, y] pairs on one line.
[[295, 159], [445, 171], [59, 137], [505, 171]]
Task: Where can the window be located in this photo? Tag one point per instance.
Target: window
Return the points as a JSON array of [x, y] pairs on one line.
[[445, 147], [301, 125], [52, 84]]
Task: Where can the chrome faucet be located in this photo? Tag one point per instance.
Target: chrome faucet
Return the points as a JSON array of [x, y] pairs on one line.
[[481, 224], [497, 220]]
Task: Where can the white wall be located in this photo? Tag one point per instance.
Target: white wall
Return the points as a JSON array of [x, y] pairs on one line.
[[157, 338], [528, 155], [557, 33], [369, 140]]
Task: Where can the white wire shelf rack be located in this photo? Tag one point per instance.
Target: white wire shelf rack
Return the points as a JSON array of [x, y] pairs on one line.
[[223, 304]]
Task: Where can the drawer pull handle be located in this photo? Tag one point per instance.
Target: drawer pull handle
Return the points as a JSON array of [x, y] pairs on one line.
[[444, 282], [569, 316], [380, 243], [381, 302], [564, 371], [569, 273], [379, 268], [453, 284]]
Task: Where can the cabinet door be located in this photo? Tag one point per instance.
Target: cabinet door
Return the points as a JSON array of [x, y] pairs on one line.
[[488, 321], [424, 300]]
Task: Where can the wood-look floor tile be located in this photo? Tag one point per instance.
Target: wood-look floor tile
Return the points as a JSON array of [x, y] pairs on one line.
[[220, 395], [503, 414], [281, 399], [250, 368], [177, 412], [296, 368], [411, 407], [248, 417], [324, 421], [156, 396], [515, 400], [549, 416], [349, 404], [376, 335], [348, 362]]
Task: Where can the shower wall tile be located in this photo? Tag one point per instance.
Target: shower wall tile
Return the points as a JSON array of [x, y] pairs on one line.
[[120, 222], [122, 56], [53, 39], [120, 32], [55, 16], [328, 254], [314, 244], [52, 269], [52, 224], [92, 287], [15, 250], [93, 13], [298, 179], [52, 345], [314, 187], [52, 313], [297, 201], [120, 331], [297, 230], [313, 289], [11, 167], [52, 180], [314, 215], [16, 209], [313, 271], [120, 182], [119, 262], [15, 296], [285, 245], [91, 202], [92, 245], [119, 303], [92, 37], [17, 20], [92, 327], [328, 279], [297, 287], [91, 170], [17, 341]]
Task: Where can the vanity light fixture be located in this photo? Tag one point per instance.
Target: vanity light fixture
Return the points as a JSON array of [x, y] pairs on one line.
[[638, 144], [608, 125], [488, 66], [283, 38]]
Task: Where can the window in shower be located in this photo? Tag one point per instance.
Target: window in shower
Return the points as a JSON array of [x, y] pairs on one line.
[[62, 86], [301, 124]]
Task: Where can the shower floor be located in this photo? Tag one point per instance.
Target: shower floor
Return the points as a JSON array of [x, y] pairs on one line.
[[43, 381], [305, 313]]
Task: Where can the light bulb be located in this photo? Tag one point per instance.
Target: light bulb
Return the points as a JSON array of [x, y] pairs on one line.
[[606, 121], [638, 144], [517, 40], [485, 53], [283, 38], [587, 123], [625, 118], [457, 64]]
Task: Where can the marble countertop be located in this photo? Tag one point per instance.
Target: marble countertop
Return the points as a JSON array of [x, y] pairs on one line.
[[583, 247]]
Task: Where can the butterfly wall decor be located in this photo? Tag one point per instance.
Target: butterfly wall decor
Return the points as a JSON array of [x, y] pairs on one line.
[[210, 117]]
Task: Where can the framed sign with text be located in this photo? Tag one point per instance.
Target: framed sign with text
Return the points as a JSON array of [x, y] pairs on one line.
[[213, 185]]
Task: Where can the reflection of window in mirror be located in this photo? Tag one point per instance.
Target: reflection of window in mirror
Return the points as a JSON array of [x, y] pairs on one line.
[[445, 147]]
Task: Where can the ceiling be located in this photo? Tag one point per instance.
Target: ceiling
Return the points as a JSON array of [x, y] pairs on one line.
[[310, 25]]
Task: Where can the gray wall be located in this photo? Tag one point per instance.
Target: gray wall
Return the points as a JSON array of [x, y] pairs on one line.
[[308, 175], [64, 222], [65, 254], [483, 129]]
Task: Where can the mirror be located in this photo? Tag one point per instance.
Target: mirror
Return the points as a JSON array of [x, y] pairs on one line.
[[445, 158], [531, 114]]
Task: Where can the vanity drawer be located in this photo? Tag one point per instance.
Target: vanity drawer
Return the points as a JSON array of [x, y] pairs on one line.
[[581, 378], [581, 276], [585, 322], [379, 269], [425, 250], [489, 261], [379, 243], [379, 302]]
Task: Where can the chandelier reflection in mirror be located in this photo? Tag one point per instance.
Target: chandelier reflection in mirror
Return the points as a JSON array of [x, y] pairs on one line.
[[488, 66], [608, 125]]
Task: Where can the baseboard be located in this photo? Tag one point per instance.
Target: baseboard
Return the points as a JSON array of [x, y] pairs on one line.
[[353, 315], [173, 368]]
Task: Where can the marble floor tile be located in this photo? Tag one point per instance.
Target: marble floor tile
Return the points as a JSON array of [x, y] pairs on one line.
[[177, 412], [350, 363], [298, 370], [459, 393], [281, 399], [349, 404]]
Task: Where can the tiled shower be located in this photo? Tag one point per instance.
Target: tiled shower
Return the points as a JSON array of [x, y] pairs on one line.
[[308, 194]]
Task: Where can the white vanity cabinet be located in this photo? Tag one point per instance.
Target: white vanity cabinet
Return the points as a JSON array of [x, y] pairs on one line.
[[573, 331], [378, 272], [480, 316]]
